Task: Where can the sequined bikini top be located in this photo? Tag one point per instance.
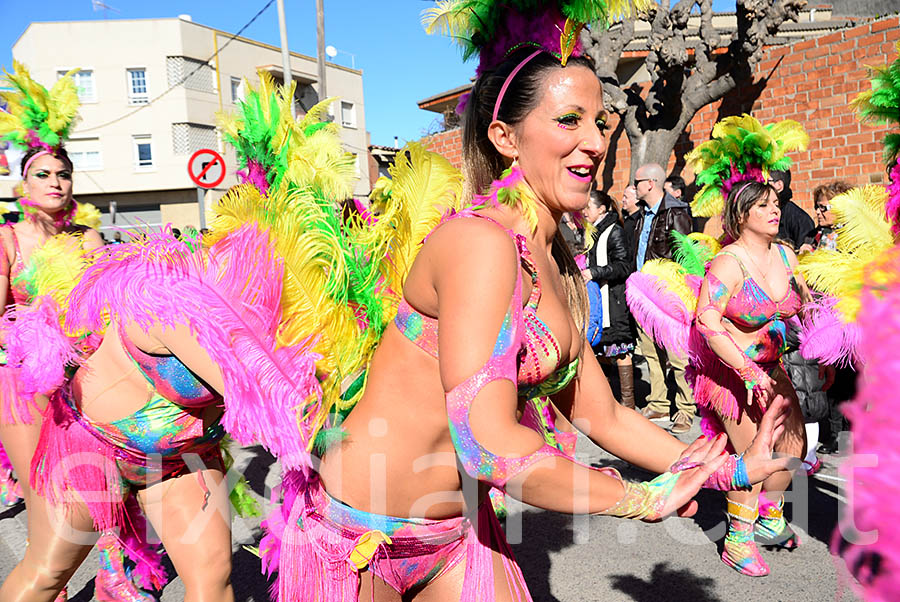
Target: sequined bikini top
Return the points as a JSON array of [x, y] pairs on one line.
[[170, 378], [751, 306], [539, 371], [19, 291]]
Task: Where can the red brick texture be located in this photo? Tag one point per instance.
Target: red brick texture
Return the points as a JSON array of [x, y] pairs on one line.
[[811, 82]]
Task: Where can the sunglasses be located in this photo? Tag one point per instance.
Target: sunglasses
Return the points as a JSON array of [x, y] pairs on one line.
[[636, 182], [823, 208]]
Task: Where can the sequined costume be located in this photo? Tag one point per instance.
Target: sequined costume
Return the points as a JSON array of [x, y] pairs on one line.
[[139, 450], [717, 386]]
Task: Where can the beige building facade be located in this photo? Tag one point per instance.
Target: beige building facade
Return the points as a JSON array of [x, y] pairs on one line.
[[150, 90]]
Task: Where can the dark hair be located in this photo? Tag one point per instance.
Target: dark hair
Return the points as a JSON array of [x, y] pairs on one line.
[[677, 183], [826, 192], [60, 153], [482, 163], [738, 204], [600, 198]]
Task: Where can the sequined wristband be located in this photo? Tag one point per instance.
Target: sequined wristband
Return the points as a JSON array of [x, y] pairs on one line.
[[751, 374], [643, 501], [731, 476]]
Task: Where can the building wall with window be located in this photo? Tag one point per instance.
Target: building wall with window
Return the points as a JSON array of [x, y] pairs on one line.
[[149, 101]]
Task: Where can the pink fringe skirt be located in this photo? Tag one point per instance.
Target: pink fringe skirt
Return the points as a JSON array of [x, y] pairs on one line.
[[322, 547]]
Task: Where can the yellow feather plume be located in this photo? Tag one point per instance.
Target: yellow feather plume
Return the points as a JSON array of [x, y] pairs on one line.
[[864, 235], [87, 215], [445, 19], [708, 241], [674, 276], [423, 187]]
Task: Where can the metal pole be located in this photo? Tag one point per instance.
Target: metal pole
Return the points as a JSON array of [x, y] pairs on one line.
[[285, 54], [320, 53], [201, 202]]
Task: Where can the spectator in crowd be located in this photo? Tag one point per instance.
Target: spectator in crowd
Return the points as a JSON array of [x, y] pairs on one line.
[[609, 263], [795, 224], [628, 209], [117, 238], [660, 213], [675, 186], [825, 234], [572, 234]]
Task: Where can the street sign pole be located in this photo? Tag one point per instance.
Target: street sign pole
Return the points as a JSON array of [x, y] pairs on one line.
[[201, 203]]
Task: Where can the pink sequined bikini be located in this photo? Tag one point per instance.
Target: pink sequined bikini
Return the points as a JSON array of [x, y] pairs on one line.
[[18, 292]]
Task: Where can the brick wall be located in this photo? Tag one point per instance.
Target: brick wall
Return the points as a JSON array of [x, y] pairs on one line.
[[812, 82], [447, 143]]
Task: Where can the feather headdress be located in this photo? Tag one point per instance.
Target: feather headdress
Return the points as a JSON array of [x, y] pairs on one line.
[[741, 149], [37, 117], [881, 104], [491, 28]]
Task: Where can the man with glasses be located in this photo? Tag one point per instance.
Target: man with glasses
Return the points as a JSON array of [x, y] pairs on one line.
[[660, 213]]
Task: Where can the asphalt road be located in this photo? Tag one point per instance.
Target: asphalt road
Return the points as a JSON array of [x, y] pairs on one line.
[[568, 559]]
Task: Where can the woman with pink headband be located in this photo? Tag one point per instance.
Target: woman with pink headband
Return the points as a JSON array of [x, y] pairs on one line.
[[751, 289], [491, 316], [48, 210]]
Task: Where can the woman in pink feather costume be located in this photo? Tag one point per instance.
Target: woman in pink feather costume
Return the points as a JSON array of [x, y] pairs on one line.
[[751, 288]]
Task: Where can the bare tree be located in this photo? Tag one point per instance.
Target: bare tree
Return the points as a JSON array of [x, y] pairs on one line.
[[686, 71]]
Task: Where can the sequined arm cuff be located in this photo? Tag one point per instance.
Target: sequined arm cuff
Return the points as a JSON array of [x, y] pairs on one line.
[[643, 501], [731, 476]]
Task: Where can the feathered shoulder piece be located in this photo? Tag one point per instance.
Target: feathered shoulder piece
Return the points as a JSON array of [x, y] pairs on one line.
[[37, 117], [491, 28], [741, 149]]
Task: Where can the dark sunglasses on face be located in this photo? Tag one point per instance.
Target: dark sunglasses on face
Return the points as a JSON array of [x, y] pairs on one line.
[[823, 208]]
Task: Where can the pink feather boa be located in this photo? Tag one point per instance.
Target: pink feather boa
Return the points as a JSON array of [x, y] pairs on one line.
[[659, 312], [875, 420], [892, 207], [826, 337], [231, 300], [37, 353]]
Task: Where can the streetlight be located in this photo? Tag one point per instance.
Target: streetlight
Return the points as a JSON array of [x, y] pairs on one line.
[[332, 52]]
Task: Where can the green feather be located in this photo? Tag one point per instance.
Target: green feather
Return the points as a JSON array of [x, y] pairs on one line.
[[692, 256]]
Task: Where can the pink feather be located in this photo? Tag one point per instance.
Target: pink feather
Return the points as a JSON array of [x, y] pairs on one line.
[[37, 353], [825, 336], [875, 422], [892, 206], [661, 313], [230, 299], [149, 572]]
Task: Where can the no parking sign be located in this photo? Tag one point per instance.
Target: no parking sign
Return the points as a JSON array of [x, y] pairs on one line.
[[206, 168]]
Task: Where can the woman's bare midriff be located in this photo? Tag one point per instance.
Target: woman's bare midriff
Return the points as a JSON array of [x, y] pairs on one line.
[[398, 458]]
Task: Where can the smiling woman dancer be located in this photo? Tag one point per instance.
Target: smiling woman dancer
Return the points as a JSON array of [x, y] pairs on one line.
[[39, 121], [491, 316]]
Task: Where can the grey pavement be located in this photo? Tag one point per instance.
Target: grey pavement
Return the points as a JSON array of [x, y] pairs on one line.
[[573, 559]]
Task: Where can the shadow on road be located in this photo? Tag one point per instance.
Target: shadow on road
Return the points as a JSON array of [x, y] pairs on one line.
[[543, 532], [679, 585]]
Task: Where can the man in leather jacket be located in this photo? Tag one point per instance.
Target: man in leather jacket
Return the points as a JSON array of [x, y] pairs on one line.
[[659, 214]]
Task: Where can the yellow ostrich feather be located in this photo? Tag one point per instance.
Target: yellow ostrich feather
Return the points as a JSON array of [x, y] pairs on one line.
[[422, 188], [87, 215], [311, 261], [861, 213], [864, 236], [445, 19], [63, 103], [708, 241], [674, 277]]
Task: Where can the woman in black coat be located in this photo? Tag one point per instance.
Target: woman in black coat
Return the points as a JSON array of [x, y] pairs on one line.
[[609, 265]]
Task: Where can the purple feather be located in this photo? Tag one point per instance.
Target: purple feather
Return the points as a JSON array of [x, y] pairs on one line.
[[541, 29], [230, 298], [826, 337], [892, 206], [254, 174], [661, 313]]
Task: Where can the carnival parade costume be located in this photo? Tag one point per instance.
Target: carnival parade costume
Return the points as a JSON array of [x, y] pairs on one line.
[[39, 120], [663, 298], [317, 544]]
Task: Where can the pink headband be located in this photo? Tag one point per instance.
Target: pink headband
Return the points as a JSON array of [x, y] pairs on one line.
[[741, 189], [509, 79], [31, 160]]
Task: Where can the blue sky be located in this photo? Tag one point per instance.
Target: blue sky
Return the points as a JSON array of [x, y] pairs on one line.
[[401, 65]]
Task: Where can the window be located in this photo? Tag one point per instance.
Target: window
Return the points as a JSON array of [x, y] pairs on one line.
[[85, 154], [84, 81], [137, 87], [190, 137], [348, 114], [143, 152], [237, 90]]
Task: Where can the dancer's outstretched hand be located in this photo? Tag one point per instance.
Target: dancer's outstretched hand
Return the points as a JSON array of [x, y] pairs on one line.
[[708, 455], [758, 457]]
